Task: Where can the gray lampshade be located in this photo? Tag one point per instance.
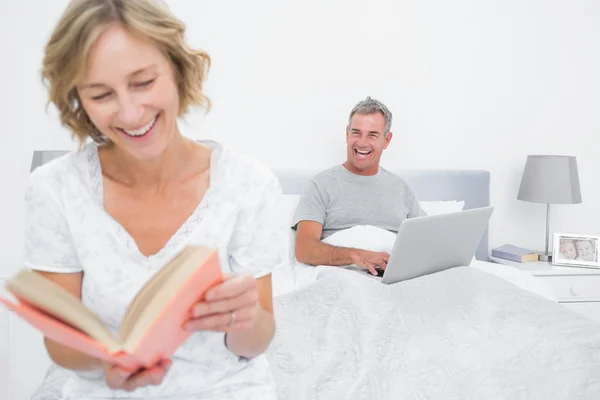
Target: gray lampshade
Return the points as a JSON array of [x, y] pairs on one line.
[[550, 179]]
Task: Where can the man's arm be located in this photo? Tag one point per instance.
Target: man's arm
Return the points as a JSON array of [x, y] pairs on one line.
[[312, 251], [308, 223]]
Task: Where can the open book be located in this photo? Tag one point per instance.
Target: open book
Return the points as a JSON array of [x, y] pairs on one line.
[[152, 327]]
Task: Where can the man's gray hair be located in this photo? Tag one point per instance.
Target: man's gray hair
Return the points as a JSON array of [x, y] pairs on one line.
[[371, 106]]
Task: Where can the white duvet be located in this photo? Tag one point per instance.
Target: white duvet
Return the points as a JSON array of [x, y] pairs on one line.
[[483, 331], [458, 334], [461, 334]]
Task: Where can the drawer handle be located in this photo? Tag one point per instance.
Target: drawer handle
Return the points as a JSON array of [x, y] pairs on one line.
[[574, 292]]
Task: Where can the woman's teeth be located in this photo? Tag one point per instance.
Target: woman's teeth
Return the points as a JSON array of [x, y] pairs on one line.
[[143, 130]]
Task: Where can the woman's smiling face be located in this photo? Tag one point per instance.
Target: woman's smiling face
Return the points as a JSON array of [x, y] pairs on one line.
[[130, 94]]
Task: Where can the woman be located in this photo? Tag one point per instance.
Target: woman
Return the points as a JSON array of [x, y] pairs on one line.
[[102, 220]]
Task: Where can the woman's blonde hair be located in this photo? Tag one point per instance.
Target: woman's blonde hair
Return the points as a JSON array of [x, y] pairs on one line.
[[78, 29]]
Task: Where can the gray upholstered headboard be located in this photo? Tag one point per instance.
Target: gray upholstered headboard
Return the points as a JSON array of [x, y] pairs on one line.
[[470, 186], [43, 156]]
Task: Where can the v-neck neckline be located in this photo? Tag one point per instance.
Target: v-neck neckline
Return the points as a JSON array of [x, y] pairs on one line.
[[177, 237]]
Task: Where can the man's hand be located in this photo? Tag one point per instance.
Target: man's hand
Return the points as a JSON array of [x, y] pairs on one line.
[[370, 260], [312, 251]]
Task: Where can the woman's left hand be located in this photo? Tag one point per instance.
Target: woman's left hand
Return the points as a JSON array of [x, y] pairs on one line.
[[229, 306]]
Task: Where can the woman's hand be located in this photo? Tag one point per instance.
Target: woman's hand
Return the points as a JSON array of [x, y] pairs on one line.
[[119, 378], [230, 306]]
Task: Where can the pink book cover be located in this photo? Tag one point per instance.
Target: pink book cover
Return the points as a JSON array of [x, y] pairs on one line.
[[161, 340]]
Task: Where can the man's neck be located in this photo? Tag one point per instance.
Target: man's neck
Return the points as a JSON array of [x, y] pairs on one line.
[[366, 172]]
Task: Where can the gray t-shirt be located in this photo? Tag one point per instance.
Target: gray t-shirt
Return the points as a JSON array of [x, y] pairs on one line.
[[339, 199]]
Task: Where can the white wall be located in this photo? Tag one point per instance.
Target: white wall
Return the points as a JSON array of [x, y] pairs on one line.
[[472, 84]]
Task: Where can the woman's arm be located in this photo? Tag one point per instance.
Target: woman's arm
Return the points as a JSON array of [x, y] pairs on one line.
[[62, 355], [66, 357], [250, 332], [256, 339], [242, 306]]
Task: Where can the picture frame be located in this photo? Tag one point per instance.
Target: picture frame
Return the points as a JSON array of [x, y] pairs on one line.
[[576, 250]]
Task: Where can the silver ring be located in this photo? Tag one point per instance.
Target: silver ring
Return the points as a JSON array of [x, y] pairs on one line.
[[232, 318]]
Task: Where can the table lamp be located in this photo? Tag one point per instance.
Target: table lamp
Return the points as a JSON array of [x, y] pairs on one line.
[[552, 180]]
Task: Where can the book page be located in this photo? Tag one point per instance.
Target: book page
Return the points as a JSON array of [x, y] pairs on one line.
[[172, 293], [40, 292], [149, 290]]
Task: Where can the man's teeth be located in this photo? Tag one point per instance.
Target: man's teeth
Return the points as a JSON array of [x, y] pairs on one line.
[[364, 153], [143, 130]]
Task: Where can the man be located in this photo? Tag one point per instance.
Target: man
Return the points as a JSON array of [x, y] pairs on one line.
[[357, 192]]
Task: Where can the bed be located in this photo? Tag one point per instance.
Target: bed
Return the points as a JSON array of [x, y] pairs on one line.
[[481, 331]]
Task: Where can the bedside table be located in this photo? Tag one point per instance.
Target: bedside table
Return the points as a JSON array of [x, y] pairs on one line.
[[576, 288]]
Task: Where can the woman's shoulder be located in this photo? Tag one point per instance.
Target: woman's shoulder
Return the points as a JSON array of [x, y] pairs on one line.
[[62, 169]]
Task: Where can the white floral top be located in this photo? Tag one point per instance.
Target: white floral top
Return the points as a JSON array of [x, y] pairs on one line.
[[68, 230]]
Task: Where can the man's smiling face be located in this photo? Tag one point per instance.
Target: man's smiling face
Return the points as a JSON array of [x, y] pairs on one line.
[[366, 140]]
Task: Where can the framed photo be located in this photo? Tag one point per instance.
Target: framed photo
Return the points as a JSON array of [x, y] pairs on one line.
[[575, 250]]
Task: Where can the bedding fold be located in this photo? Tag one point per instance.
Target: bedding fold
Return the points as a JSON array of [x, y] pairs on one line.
[[456, 334]]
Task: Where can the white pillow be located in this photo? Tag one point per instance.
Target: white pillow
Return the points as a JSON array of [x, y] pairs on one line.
[[288, 210], [441, 207], [283, 278], [365, 237]]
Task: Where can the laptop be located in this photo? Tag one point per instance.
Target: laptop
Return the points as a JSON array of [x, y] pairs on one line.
[[429, 244]]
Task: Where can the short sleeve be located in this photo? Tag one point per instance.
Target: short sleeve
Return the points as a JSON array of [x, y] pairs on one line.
[[259, 243], [311, 206], [415, 209], [48, 245]]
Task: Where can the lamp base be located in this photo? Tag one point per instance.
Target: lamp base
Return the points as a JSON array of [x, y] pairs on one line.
[[545, 257]]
